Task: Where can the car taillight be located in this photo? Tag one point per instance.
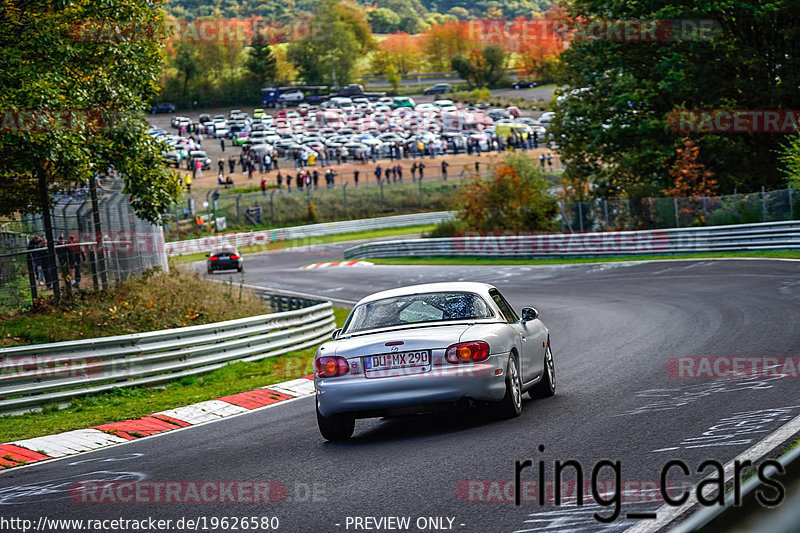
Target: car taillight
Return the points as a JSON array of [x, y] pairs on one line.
[[464, 352], [213, 258], [234, 256], [331, 366]]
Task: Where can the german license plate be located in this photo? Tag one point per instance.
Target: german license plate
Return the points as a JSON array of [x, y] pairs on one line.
[[395, 364]]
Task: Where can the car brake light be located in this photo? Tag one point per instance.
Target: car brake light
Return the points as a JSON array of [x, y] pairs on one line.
[[331, 366], [464, 352], [234, 256], [213, 258]]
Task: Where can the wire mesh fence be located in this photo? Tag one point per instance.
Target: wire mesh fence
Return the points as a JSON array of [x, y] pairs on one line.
[[662, 213], [283, 207], [91, 250]]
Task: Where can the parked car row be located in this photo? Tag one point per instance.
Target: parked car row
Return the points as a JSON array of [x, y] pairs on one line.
[[356, 128]]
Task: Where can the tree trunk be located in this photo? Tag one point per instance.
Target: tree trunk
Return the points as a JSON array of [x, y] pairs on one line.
[[50, 266]]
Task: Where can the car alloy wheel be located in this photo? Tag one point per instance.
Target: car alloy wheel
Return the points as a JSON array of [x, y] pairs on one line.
[[511, 404], [547, 386]]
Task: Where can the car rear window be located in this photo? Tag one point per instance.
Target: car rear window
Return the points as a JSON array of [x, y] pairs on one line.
[[417, 309]]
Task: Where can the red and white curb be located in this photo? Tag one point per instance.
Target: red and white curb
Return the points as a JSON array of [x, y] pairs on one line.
[[26, 451], [338, 264]]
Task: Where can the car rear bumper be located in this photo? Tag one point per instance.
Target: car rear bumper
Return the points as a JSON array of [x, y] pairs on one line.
[[224, 265], [442, 385]]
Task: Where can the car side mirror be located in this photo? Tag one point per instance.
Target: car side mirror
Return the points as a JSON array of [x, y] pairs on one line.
[[208, 255], [529, 313], [336, 333]]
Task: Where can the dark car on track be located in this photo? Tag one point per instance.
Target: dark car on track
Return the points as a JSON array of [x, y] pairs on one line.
[[163, 107], [439, 88], [523, 84], [224, 258]]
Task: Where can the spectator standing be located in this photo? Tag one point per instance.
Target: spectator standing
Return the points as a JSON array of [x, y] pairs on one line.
[[75, 257], [445, 164]]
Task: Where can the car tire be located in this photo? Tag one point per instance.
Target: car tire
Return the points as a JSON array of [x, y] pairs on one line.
[[337, 427], [210, 270], [511, 404], [547, 386]]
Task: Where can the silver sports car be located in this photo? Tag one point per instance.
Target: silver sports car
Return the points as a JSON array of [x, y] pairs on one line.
[[429, 347]]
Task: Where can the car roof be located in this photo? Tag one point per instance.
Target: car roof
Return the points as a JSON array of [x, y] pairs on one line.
[[460, 286]]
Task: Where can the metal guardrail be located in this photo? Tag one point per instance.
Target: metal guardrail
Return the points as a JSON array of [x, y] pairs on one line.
[[260, 238], [32, 376], [741, 237], [749, 514]]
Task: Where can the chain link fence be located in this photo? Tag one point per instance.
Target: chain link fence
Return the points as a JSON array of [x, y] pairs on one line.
[[284, 207], [662, 213], [87, 255]]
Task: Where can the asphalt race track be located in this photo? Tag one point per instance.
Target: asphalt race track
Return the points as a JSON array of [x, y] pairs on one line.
[[614, 327]]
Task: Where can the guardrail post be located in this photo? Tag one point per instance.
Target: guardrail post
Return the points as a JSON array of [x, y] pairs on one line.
[[677, 218], [380, 182], [238, 217], [580, 216], [344, 193], [605, 209], [791, 206], [763, 204], [420, 192], [272, 208]]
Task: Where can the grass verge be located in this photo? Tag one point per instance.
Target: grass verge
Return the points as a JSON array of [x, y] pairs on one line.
[[325, 239], [155, 300], [574, 260], [134, 402]]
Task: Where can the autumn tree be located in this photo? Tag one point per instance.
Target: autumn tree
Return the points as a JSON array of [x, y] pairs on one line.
[[399, 51], [482, 68], [689, 177], [441, 42], [338, 36], [538, 49], [89, 89], [516, 197]]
